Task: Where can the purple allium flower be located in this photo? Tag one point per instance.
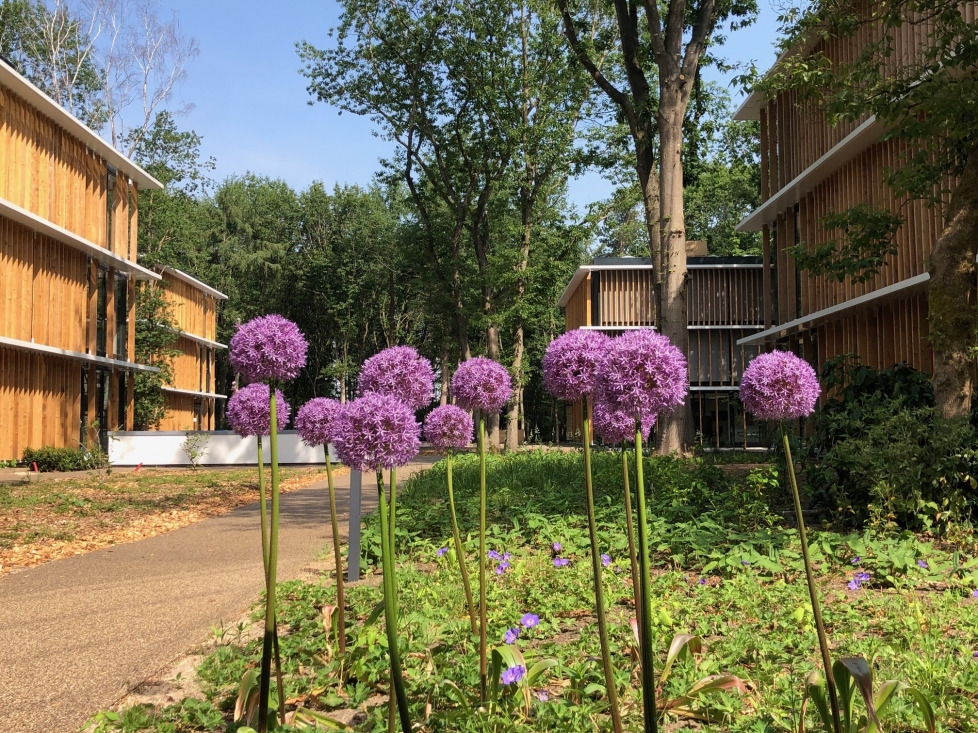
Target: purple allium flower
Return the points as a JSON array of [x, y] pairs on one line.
[[643, 374], [530, 620], [511, 635], [481, 384], [571, 363], [268, 347], [922, 564], [543, 695], [557, 546], [248, 410], [617, 426], [856, 560], [442, 551], [502, 567], [512, 675], [376, 431], [605, 560], [400, 372], [779, 386], [561, 562], [315, 420], [448, 427], [493, 555]]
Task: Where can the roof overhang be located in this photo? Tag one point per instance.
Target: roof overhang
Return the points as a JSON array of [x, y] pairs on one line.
[[40, 101], [864, 136], [583, 272], [42, 226], [193, 393], [902, 289], [196, 339], [75, 355], [202, 286]]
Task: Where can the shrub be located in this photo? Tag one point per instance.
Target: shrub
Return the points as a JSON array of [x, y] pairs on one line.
[[881, 453], [65, 459]]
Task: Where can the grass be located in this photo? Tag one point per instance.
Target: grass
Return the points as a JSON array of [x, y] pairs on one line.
[[55, 517], [726, 569]]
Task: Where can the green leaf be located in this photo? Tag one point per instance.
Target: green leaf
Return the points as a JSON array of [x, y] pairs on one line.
[[680, 642]]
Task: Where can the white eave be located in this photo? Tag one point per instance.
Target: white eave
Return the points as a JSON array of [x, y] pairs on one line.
[[202, 286], [868, 133], [193, 393], [40, 101], [877, 297], [197, 339], [42, 226], [582, 272], [75, 355]]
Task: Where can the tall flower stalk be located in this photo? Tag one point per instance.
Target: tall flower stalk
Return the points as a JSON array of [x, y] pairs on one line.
[[315, 423], [484, 385], [269, 349], [374, 432], [779, 386], [449, 428], [570, 366], [643, 375]]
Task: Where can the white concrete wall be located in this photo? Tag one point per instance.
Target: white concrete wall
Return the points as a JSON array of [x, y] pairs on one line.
[[222, 448]]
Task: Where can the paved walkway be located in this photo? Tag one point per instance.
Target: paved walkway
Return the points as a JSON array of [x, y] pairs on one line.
[[77, 634]]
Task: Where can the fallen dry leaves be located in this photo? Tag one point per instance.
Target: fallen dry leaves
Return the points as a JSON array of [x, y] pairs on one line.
[[59, 518]]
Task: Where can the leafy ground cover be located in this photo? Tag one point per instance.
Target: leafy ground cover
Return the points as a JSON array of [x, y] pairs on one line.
[[727, 570], [42, 520]]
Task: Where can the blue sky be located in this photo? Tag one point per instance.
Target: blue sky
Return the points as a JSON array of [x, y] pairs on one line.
[[251, 105]]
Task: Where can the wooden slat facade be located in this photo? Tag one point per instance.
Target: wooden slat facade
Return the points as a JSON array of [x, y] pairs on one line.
[[55, 295]]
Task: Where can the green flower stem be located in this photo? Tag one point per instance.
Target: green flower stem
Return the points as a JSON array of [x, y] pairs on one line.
[[392, 519], [459, 550], [823, 641], [645, 615], [483, 666], [390, 608], [337, 556], [270, 626], [630, 531], [592, 526], [264, 510]]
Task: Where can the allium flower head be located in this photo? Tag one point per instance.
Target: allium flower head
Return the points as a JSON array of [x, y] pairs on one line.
[[268, 347], [779, 386], [643, 374], [316, 420], [512, 675], [571, 363], [376, 431], [248, 411], [617, 426], [481, 384], [400, 372], [448, 427]]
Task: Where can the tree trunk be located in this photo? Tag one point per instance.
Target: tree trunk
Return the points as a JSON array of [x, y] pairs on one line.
[[492, 351], [445, 378], [513, 416], [952, 298]]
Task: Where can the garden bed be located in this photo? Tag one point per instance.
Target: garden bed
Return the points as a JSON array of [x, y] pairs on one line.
[[726, 569], [52, 518]]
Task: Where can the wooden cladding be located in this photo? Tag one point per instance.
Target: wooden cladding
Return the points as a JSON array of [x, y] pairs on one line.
[[577, 313], [186, 412], [725, 296], [193, 366], [714, 358], [622, 298], [194, 311]]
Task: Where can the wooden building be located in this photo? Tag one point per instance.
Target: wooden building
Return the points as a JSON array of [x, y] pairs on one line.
[[810, 168], [68, 222], [724, 305], [191, 400]]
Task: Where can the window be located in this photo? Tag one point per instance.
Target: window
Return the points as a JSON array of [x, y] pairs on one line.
[[102, 383], [121, 317], [83, 415], [101, 314]]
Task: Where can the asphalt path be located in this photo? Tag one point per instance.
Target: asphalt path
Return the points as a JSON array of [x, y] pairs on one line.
[[76, 635]]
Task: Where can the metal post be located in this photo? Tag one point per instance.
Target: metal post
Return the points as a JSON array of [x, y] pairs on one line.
[[353, 558]]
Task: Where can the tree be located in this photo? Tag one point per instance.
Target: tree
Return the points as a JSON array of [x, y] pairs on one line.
[[666, 48], [928, 97], [156, 336]]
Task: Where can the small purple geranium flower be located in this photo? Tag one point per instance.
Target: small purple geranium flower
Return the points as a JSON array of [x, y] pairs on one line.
[[502, 567], [974, 593], [702, 581], [268, 347], [511, 635], [779, 386], [856, 560], [400, 372], [512, 675], [543, 695], [529, 620], [442, 551], [606, 560], [557, 547], [922, 564], [448, 427], [493, 555], [857, 580], [560, 562], [481, 384]]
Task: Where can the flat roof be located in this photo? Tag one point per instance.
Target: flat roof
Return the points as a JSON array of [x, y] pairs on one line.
[[181, 275], [23, 88], [41, 225]]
